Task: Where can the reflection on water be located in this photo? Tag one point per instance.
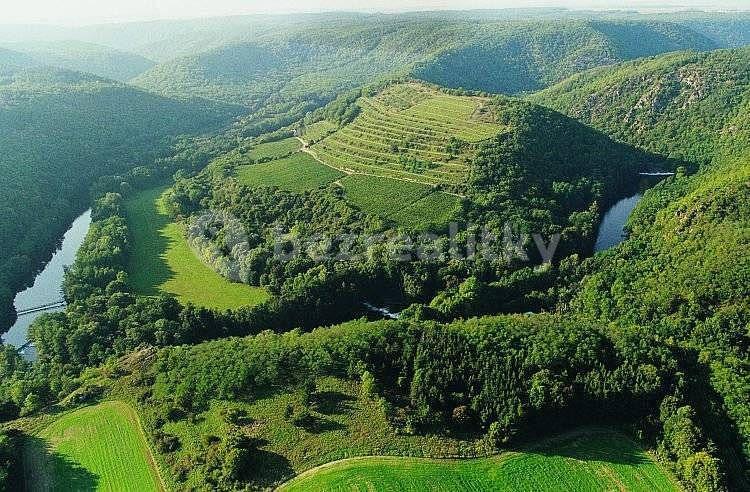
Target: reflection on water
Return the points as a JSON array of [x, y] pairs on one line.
[[47, 288], [612, 228]]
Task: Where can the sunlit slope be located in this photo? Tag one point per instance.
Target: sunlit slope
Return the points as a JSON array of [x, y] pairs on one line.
[[95, 448], [597, 461], [411, 132]]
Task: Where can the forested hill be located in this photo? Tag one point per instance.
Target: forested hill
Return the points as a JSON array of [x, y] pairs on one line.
[[684, 272], [12, 61], [59, 130], [520, 57], [300, 66], [85, 57], [306, 67], [677, 104]]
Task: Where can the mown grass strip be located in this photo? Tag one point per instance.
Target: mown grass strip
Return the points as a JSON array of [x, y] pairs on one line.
[[596, 460], [100, 447]]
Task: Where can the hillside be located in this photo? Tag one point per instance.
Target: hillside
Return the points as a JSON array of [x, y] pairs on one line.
[[678, 105], [85, 57], [513, 58], [59, 131], [12, 61]]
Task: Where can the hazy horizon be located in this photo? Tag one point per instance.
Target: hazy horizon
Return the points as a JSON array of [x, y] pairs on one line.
[[84, 12]]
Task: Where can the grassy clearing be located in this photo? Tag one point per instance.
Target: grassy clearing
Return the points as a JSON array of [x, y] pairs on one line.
[[298, 172], [317, 131], [162, 262], [405, 132], [95, 448], [382, 196], [433, 211], [274, 150], [596, 460]]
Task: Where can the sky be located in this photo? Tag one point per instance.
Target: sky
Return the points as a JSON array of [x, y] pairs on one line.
[[81, 12]]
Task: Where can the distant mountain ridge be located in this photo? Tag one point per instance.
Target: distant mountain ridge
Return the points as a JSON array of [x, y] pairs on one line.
[[85, 57]]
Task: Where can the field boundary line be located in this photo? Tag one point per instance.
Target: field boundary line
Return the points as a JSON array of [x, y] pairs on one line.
[[350, 172]]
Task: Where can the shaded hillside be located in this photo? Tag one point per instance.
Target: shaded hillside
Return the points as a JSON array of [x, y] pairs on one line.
[[298, 66], [59, 131], [677, 104], [86, 57], [512, 58]]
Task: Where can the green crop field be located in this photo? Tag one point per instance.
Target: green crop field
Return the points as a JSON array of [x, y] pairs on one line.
[[274, 150], [596, 460], [298, 172], [432, 211], [382, 196], [161, 261], [95, 448], [405, 132], [406, 203]]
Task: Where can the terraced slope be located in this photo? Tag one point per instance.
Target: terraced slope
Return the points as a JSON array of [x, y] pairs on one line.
[[413, 133]]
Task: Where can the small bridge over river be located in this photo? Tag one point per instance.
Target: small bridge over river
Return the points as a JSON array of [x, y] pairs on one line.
[[40, 308]]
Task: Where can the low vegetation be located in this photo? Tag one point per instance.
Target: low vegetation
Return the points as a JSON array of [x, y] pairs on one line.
[[101, 447], [274, 150], [299, 172], [585, 460], [411, 132]]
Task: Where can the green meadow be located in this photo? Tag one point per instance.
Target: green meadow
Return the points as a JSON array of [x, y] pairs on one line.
[[596, 460], [274, 150], [161, 261], [100, 447]]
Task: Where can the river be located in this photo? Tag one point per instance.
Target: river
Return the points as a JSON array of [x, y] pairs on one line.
[[612, 229], [47, 288]]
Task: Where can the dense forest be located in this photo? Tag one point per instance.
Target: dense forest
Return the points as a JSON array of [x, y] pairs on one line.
[[489, 352]]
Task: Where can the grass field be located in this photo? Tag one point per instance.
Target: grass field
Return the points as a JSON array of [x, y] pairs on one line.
[[275, 150], [162, 262], [589, 461], [95, 448], [298, 172], [404, 132], [317, 131]]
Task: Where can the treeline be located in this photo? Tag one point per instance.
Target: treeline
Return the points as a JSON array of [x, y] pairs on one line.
[[501, 380]]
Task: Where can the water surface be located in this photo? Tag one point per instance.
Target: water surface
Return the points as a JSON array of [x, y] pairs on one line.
[[47, 286], [612, 228]]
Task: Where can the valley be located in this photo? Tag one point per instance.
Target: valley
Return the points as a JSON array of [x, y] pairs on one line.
[[555, 202]]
